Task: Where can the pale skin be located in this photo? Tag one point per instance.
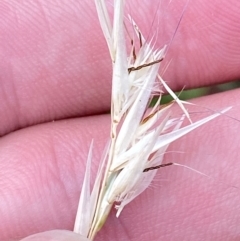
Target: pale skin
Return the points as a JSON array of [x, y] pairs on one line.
[[55, 65]]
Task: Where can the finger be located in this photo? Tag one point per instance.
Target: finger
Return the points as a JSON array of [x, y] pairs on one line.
[[55, 63], [205, 49], [42, 168], [55, 235], [52, 67], [182, 204]]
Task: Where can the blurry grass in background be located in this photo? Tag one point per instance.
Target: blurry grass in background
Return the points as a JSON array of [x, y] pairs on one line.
[[193, 93]]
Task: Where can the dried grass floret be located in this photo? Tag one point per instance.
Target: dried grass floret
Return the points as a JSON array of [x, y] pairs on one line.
[[139, 136]]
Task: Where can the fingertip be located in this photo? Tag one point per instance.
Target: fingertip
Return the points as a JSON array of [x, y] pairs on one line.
[[56, 235]]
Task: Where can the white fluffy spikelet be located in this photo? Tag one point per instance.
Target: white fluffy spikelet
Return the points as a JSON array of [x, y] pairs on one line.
[[139, 137]]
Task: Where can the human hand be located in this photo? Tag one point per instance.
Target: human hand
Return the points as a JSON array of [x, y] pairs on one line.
[[55, 65], [55, 235]]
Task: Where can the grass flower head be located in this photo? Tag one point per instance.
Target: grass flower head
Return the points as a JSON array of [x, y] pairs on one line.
[[139, 135]]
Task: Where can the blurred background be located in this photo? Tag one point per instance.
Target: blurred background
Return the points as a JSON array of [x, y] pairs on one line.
[[193, 93]]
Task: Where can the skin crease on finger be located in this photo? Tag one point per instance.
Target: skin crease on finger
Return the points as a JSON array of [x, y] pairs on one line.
[[55, 64], [42, 167]]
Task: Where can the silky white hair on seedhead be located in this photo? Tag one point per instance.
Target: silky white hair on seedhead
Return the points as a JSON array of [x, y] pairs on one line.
[[139, 136]]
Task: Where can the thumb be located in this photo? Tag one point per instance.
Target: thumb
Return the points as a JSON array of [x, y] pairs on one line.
[[56, 235]]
